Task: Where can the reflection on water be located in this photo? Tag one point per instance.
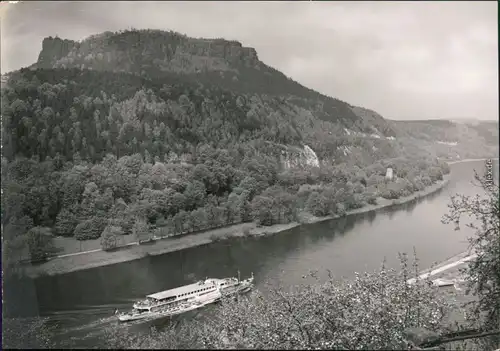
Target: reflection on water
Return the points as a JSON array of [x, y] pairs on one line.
[[85, 301]]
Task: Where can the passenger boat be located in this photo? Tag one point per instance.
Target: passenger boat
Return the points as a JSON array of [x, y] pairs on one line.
[[186, 298], [166, 310]]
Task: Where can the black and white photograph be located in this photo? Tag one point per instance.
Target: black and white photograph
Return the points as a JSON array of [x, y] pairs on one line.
[[250, 175]]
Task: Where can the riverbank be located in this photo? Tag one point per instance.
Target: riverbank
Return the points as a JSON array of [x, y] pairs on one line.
[[133, 251], [471, 160]]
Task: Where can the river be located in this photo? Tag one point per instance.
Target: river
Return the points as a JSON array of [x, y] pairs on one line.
[[83, 302]]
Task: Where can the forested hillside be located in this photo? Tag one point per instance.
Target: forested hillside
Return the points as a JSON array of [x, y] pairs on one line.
[[451, 140], [126, 132]]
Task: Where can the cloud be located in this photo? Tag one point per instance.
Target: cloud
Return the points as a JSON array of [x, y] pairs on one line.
[[405, 60]]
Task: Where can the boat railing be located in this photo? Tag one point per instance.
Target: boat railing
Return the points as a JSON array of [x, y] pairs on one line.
[[149, 303]]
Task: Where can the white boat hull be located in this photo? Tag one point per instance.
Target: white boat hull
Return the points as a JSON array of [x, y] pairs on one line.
[[131, 317], [171, 312], [163, 314], [195, 303]]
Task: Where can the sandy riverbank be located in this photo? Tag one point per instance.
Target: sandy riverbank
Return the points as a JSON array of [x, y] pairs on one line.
[[81, 261]]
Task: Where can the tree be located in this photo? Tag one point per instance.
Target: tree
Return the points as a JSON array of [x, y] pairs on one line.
[[245, 206], [283, 203], [262, 210], [329, 200], [169, 227], [178, 220], [140, 230], [72, 185], [233, 205], [483, 272], [195, 194], [90, 229], [15, 229], [353, 201], [66, 223], [178, 202], [316, 204], [249, 183], [199, 219], [109, 237], [219, 216], [40, 243]]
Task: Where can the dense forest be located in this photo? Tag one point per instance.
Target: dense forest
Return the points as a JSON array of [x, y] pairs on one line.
[[94, 154]]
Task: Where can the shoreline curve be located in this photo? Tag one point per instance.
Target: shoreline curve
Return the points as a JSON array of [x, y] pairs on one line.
[[99, 258]]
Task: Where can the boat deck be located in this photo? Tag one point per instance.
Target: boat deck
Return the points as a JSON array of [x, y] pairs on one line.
[[183, 290]]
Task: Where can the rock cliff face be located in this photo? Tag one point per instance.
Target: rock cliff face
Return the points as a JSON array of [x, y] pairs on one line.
[[292, 157], [167, 51], [54, 49]]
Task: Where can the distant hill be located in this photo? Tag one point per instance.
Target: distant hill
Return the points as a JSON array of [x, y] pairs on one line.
[[452, 139]]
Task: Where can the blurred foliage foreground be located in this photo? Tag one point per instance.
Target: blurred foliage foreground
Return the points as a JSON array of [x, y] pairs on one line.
[[371, 311]]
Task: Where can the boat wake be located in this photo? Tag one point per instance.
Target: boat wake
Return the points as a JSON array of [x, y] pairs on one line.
[[89, 323], [87, 314]]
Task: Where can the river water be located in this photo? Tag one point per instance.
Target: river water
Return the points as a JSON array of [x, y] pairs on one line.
[[83, 302]]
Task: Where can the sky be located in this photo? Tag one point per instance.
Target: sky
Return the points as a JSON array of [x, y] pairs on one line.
[[405, 60]]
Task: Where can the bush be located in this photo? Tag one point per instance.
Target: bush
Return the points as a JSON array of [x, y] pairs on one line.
[[109, 238], [119, 222], [90, 229], [389, 194], [123, 221], [317, 204], [353, 202]]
